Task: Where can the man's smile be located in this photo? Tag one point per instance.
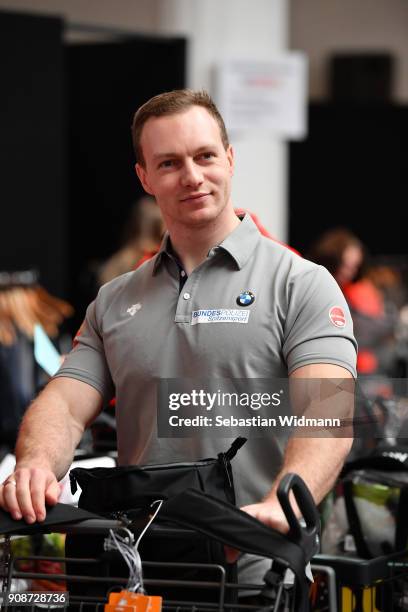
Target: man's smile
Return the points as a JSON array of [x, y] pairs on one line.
[[195, 197]]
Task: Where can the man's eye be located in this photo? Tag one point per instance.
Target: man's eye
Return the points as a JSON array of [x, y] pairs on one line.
[[207, 156], [167, 163]]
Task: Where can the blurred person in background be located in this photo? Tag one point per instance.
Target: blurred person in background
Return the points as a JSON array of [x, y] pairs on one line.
[[342, 253], [141, 238], [143, 234], [367, 291]]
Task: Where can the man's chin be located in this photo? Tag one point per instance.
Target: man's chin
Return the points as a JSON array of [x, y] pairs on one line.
[[200, 217]]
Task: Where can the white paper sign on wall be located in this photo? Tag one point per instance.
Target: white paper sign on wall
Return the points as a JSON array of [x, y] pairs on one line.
[[264, 96]]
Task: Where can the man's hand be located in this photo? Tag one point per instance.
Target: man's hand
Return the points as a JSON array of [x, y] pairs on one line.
[[50, 431], [26, 492], [270, 514]]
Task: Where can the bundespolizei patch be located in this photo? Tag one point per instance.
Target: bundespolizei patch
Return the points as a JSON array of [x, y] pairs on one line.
[[220, 315], [246, 298], [337, 316]]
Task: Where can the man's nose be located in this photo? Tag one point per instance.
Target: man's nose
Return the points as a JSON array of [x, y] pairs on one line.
[[191, 175]]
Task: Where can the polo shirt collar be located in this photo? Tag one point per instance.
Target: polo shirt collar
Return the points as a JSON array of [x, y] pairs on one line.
[[240, 244], [165, 249]]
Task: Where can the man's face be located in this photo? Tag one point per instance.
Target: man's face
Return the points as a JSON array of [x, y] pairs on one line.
[[187, 168]]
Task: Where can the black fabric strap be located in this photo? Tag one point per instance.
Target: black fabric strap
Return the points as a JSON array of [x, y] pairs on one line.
[[233, 527], [56, 515], [234, 448]]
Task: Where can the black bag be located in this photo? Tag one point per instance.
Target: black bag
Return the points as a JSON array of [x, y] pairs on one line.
[[114, 491]]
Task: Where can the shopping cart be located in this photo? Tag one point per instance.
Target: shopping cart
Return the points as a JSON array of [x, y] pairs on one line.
[[281, 591]]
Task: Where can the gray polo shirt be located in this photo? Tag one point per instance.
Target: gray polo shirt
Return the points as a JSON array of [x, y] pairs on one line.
[[141, 328]]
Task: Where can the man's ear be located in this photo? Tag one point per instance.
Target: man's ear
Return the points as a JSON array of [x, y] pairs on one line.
[[142, 174], [231, 159]]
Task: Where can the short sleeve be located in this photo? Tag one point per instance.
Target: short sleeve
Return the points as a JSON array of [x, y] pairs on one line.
[[318, 328], [87, 361]]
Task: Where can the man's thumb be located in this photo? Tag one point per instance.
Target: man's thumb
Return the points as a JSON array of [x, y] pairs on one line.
[[52, 493]]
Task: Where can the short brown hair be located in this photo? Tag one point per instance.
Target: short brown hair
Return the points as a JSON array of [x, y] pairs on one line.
[[171, 103]]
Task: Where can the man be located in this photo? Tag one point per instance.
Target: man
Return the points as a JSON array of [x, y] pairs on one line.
[[140, 327]]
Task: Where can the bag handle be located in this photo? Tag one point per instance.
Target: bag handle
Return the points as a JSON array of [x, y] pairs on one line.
[[234, 448], [222, 521], [307, 535], [224, 459]]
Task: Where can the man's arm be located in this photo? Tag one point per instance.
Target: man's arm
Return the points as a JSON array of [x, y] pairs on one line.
[[51, 430], [317, 460]]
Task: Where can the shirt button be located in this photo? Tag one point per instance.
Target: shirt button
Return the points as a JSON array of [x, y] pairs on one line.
[[186, 296], [182, 273]]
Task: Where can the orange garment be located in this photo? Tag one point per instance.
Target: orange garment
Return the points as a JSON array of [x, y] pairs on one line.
[[145, 257], [367, 362], [364, 297]]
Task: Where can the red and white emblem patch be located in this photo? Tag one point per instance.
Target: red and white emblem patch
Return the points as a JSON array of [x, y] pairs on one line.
[[337, 316]]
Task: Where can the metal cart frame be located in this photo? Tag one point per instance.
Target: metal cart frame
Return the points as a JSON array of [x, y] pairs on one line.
[[285, 589]]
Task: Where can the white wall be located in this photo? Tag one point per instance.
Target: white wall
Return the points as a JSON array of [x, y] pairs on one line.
[[322, 27], [239, 29]]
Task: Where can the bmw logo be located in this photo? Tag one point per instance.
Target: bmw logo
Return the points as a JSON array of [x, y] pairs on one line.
[[246, 298]]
